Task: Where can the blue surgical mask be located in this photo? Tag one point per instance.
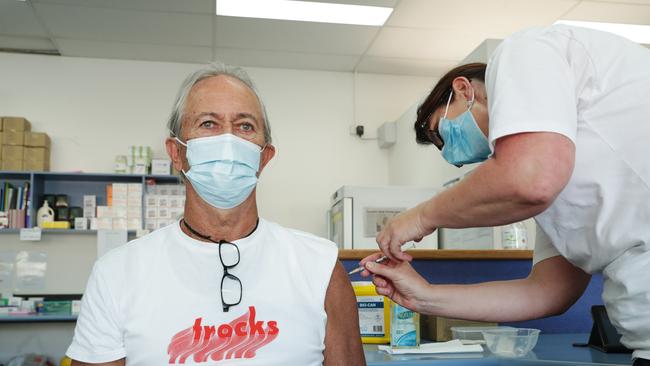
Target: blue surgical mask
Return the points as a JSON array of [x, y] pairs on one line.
[[464, 141], [223, 168]]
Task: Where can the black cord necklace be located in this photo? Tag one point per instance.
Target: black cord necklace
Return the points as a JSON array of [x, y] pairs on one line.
[[206, 237]]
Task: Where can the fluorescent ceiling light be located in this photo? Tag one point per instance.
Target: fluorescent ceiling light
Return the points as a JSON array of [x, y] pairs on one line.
[[634, 32], [304, 11]]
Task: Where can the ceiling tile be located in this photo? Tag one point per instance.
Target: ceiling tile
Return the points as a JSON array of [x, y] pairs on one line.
[[26, 43], [104, 24], [493, 19], [17, 18], [405, 66], [286, 60], [610, 13], [424, 44], [133, 51], [184, 6], [281, 35]]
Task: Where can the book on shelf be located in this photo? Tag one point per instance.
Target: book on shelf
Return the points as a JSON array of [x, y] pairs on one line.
[[14, 204]]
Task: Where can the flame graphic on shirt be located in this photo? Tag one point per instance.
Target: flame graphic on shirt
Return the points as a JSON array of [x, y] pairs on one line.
[[241, 338]]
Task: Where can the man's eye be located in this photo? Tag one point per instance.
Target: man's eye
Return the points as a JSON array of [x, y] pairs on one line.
[[208, 124], [246, 127]]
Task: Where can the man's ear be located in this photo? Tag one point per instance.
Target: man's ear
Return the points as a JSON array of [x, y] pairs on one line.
[[176, 153], [267, 154]]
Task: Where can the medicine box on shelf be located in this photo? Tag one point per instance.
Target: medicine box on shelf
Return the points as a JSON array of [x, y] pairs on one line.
[[80, 187]]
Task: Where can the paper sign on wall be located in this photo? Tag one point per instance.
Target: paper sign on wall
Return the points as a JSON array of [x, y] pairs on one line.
[[33, 234]]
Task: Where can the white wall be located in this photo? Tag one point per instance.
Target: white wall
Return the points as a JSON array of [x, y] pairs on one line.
[[93, 109]]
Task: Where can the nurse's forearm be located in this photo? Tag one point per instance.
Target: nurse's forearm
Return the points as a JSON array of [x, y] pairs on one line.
[[552, 287], [525, 176], [501, 301]]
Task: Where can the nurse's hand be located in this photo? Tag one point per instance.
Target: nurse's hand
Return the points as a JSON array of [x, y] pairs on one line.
[[405, 227], [399, 281]]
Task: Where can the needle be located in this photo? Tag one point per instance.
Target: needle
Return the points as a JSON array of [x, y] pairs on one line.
[[405, 246]]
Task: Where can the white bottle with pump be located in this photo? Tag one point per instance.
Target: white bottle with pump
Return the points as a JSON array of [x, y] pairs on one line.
[[514, 236], [44, 214]]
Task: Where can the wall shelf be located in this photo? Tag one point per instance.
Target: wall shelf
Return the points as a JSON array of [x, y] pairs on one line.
[[60, 231], [445, 254], [38, 318], [75, 185]]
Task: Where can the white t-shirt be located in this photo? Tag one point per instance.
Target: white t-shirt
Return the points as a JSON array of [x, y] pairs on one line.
[[157, 301], [594, 88]]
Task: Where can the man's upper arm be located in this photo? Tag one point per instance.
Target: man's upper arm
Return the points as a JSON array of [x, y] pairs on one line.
[[342, 338], [112, 363]]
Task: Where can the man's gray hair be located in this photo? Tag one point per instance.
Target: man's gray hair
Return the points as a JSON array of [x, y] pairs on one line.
[[212, 69]]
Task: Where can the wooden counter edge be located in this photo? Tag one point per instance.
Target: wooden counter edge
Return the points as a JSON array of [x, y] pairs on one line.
[[446, 254]]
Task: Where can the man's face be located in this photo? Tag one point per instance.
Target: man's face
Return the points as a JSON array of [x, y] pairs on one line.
[[222, 104]]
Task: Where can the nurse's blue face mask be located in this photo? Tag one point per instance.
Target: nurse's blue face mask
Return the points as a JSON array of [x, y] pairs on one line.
[[464, 142]]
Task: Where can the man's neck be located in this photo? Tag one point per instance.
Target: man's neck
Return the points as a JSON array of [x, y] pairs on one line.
[[218, 224]]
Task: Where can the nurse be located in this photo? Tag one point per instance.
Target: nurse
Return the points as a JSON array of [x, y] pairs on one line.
[[560, 119]]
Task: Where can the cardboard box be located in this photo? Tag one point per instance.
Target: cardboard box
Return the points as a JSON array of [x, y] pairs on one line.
[[163, 213], [14, 138], [89, 212], [90, 200], [134, 212], [36, 154], [151, 200], [119, 223], [15, 124], [36, 166], [80, 223], [104, 223], [104, 211], [37, 139], [134, 223], [150, 224], [438, 328], [36, 158], [119, 212], [160, 167], [12, 165], [12, 153]]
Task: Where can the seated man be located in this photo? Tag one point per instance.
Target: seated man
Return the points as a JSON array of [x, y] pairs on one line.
[[221, 286]]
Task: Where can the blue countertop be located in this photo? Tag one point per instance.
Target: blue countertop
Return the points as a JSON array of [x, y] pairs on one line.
[[551, 349]]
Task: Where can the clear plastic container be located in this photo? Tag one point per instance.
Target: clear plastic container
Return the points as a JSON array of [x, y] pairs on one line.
[[472, 335], [511, 343]]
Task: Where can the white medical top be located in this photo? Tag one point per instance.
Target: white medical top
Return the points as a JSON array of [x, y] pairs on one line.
[[594, 88], [156, 301]]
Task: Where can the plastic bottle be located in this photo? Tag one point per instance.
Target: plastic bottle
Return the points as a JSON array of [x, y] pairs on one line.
[[514, 236], [404, 327], [44, 214]]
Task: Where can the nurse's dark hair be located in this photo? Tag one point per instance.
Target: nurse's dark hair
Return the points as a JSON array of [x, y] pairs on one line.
[[439, 96]]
